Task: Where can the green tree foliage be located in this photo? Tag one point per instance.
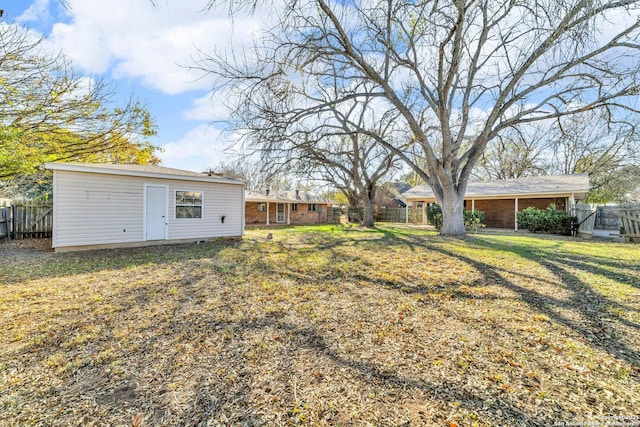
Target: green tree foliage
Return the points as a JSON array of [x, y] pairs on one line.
[[48, 112]]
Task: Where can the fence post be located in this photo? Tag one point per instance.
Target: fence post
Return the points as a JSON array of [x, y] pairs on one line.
[[13, 219], [7, 214], [5, 217]]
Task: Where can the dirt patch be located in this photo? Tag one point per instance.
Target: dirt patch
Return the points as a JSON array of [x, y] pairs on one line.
[[25, 247]]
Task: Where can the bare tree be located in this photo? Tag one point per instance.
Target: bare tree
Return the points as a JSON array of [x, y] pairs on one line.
[[591, 143], [514, 154], [458, 72], [255, 173], [333, 149], [353, 164], [331, 143]]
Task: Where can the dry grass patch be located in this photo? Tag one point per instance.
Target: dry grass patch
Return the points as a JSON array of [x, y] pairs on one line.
[[323, 326]]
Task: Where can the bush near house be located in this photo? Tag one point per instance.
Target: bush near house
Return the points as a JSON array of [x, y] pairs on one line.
[[472, 220], [548, 220]]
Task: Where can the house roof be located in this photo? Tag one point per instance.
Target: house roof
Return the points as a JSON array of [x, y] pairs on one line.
[[284, 197], [531, 186], [147, 171]]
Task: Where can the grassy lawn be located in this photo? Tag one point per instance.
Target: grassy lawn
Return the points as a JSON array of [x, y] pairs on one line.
[[326, 326]]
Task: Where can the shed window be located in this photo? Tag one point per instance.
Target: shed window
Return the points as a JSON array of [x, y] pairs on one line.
[[312, 207], [294, 207], [188, 204]]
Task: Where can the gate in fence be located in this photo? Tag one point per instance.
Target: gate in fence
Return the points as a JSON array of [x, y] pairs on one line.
[[586, 215], [26, 219]]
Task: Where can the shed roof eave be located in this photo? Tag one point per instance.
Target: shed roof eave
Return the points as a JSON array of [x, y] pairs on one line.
[[88, 169]]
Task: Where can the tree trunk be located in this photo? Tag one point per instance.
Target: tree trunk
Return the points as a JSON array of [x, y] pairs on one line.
[[369, 205], [353, 202], [452, 207]]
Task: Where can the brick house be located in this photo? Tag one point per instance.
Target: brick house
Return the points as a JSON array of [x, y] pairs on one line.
[[500, 200], [284, 208]]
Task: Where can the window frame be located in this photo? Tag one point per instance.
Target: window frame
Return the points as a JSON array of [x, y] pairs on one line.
[[294, 207], [312, 207], [178, 205]]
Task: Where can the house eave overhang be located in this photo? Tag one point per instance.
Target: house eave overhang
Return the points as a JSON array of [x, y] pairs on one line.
[[275, 199], [579, 195], [266, 200]]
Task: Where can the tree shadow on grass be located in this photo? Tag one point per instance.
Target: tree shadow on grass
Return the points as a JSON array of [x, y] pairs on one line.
[[589, 303], [211, 398], [214, 399]]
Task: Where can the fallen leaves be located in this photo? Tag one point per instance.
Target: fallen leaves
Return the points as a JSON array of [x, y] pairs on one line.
[[341, 328]]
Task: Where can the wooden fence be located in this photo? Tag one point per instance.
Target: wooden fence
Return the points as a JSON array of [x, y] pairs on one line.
[[392, 215], [25, 220], [333, 215], [630, 216], [400, 215], [586, 215]]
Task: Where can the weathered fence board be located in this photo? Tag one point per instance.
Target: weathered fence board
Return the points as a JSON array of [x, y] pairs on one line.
[[586, 216], [607, 217], [5, 222], [333, 215], [630, 223], [26, 219], [392, 215]]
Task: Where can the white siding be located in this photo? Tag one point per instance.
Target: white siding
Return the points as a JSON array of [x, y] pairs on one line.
[[217, 200], [94, 209]]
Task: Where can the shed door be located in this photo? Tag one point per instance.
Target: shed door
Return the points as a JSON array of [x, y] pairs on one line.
[[155, 215]]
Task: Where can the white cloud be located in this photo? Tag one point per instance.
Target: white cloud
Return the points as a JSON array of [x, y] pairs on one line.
[[38, 11], [157, 44], [198, 150], [207, 108]]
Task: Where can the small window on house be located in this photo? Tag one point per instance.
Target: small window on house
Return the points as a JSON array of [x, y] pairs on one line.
[[294, 207], [262, 207], [188, 204], [312, 207]]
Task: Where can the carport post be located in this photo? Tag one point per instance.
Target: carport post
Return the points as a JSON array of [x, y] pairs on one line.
[[516, 214], [267, 213], [572, 202]]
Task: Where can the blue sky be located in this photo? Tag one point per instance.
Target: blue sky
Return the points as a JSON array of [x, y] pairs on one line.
[[146, 50]]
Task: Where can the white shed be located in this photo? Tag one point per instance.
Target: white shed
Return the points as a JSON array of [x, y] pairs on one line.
[[106, 206]]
